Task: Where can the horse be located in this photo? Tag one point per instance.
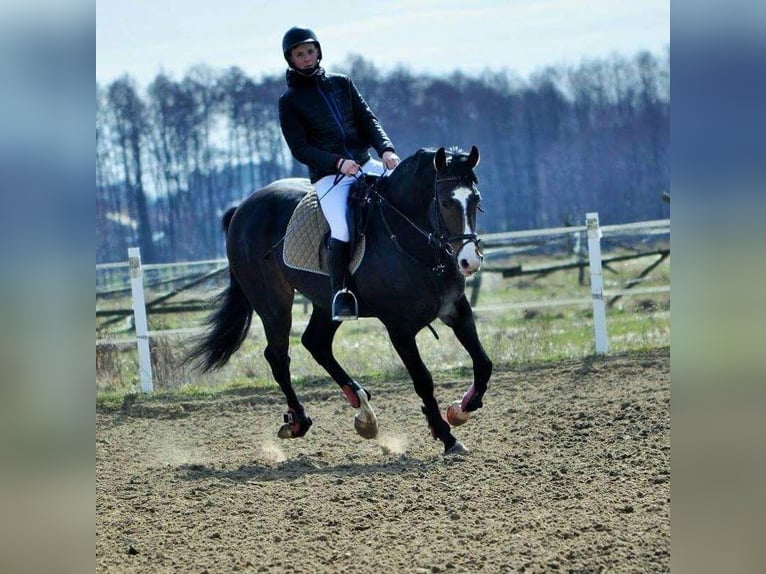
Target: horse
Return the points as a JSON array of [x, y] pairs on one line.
[[421, 245]]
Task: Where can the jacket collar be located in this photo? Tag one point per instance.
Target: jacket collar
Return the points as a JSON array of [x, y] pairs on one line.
[[295, 78]]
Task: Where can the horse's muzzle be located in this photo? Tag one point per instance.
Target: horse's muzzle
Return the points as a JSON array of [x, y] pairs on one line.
[[469, 257]]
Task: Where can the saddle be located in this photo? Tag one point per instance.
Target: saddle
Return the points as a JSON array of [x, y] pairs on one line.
[[305, 245]]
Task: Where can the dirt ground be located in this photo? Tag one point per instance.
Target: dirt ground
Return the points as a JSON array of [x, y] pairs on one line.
[[568, 471]]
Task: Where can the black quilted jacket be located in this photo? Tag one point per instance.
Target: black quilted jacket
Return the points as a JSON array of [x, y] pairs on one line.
[[325, 118]]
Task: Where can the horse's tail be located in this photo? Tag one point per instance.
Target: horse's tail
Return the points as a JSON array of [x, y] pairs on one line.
[[227, 329], [227, 325]]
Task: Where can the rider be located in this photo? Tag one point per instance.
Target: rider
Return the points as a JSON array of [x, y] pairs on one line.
[[330, 128]]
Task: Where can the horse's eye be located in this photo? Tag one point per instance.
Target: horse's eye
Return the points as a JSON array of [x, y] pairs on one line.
[[444, 203]]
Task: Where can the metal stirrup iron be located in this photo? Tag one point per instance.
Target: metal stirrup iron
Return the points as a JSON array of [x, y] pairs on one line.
[[345, 316]]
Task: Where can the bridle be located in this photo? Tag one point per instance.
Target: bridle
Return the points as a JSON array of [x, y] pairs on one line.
[[440, 241], [445, 239]]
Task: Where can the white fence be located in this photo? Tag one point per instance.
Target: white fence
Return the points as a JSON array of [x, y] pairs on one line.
[[594, 232]]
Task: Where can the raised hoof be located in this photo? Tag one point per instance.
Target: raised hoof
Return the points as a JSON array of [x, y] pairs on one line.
[[364, 429], [456, 448], [285, 432], [456, 416]]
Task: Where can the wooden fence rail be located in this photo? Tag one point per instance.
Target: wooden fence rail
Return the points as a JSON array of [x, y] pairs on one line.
[[594, 262]]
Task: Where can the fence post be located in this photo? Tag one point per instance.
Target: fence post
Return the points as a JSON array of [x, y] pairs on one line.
[[139, 317], [596, 281], [475, 288]]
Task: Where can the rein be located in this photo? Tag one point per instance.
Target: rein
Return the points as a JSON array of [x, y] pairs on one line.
[[441, 244]]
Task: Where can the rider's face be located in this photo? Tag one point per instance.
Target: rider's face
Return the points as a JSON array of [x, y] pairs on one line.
[[304, 56]]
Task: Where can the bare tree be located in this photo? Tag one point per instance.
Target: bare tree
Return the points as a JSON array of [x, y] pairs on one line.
[[129, 122], [567, 141]]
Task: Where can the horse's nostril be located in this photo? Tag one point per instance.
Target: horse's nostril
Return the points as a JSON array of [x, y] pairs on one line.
[[464, 263]]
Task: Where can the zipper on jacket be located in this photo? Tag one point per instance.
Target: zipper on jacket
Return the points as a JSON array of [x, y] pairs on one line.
[[335, 113]]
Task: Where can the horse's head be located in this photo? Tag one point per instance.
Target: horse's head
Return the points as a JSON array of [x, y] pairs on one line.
[[457, 200]]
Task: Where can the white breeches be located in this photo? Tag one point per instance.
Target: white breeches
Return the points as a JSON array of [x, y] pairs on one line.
[[334, 202]]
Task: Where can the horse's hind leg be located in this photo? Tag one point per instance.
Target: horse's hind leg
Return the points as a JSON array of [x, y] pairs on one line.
[[317, 338], [277, 320]]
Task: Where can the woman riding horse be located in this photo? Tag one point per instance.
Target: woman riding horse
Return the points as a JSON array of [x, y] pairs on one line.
[[421, 245], [330, 128]]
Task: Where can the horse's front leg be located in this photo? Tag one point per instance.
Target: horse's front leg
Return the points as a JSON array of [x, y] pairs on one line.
[[405, 345], [460, 318]]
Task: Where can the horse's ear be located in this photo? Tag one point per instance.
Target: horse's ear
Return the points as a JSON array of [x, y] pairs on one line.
[[473, 157], [440, 159]]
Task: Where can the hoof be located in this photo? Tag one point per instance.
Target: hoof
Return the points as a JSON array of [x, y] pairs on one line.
[[295, 425], [456, 448], [456, 416], [365, 422], [365, 429]]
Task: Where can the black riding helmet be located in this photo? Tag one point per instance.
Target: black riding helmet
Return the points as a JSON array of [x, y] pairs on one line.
[[296, 36]]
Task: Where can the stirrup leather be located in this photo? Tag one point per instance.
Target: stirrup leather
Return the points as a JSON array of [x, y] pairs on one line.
[[343, 293]]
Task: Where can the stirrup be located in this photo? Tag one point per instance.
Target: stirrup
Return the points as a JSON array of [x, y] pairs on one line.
[[344, 314]]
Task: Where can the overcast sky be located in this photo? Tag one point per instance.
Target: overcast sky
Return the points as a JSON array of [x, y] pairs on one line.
[[143, 37]]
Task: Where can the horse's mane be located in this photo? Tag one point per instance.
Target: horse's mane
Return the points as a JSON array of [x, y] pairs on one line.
[[416, 167], [414, 177]]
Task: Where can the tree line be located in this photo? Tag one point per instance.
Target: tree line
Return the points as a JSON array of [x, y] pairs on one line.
[[570, 139]]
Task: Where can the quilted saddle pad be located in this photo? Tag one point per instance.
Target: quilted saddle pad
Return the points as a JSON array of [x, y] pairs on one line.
[[304, 245]]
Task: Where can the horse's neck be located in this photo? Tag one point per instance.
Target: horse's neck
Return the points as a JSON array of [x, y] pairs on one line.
[[411, 197]]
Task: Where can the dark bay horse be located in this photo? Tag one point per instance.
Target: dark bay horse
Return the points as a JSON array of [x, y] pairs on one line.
[[421, 244]]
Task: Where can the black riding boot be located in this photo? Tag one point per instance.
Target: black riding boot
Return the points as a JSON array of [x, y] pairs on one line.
[[343, 304]]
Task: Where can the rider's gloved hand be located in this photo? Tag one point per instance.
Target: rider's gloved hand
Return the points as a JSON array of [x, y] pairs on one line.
[[390, 159], [348, 167]]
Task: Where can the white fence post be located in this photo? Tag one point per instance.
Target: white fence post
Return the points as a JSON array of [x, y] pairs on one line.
[[139, 316], [596, 281]]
